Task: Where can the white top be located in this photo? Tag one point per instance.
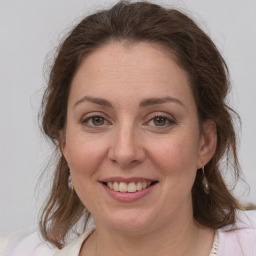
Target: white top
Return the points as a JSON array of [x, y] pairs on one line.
[[235, 240], [26, 243]]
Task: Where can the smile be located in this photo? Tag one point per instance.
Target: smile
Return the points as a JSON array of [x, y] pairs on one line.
[[130, 187]]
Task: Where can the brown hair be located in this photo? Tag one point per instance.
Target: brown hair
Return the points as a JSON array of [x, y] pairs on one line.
[[194, 52]]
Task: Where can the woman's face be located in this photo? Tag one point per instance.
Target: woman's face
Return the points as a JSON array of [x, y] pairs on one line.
[[132, 138]]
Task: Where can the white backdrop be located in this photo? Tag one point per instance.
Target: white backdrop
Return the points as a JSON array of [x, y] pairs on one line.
[[30, 29]]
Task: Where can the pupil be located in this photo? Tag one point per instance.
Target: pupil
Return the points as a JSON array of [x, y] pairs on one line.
[[159, 121], [97, 120]]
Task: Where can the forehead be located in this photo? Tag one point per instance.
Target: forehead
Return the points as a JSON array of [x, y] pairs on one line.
[[130, 69]]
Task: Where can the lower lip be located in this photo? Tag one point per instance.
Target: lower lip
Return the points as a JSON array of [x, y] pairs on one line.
[[128, 197]]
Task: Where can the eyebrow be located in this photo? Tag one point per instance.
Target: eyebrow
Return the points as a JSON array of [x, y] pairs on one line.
[[144, 103], [95, 100], [155, 101]]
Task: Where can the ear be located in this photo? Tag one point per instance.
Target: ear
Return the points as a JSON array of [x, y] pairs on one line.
[[62, 143], [208, 143]]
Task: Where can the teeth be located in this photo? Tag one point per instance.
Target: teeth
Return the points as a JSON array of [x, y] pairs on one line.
[[110, 185], [139, 186], [130, 187], [116, 186], [122, 187]]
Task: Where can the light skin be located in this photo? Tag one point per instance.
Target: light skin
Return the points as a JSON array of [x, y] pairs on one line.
[[131, 115]]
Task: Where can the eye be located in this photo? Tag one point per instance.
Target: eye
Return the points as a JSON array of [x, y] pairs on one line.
[[161, 121], [95, 121]]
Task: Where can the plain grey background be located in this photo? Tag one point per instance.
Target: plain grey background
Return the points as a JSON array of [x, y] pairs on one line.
[[30, 30]]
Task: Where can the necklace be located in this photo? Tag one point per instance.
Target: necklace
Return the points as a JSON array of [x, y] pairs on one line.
[[215, 245]]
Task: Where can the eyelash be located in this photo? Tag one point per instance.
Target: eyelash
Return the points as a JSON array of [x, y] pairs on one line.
[[85, 121], [169, 121]]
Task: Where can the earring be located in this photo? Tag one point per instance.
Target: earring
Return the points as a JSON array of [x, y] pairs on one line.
[[205, 183], [70, 185]]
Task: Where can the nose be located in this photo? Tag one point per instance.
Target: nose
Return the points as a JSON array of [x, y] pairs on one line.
[[126, 148]]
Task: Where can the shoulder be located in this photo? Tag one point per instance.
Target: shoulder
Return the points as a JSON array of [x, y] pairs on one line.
[[26, 243], [76, 241], [239, 238], [75, 247]]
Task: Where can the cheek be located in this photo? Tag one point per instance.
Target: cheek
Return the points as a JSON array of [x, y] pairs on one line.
[[85, 157], [175, 152], [175, 161], [84, 154]]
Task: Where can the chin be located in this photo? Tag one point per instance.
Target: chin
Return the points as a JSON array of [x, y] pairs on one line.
[[129, 221]]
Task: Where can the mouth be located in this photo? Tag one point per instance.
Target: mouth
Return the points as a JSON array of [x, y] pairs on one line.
[[128, 187]]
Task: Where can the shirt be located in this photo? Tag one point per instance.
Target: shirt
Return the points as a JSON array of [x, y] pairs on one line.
[[236, 240]]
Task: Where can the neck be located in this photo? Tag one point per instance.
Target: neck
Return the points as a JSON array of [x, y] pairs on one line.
[[161, 242], [181, 237]]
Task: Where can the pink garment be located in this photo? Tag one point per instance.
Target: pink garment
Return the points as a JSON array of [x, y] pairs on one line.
[[239, 239], [26, 243]]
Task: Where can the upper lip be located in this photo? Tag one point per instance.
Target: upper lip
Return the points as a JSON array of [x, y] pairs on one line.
[[126, 180]]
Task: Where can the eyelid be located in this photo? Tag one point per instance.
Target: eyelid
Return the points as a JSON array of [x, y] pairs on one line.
[[160, 114], [87, 116], [167, 116]]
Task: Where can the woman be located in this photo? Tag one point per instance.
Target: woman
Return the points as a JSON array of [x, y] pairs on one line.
[[136, 107]]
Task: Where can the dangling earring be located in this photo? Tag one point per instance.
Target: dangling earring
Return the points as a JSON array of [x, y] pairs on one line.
[[205, 183], [70, 185]]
